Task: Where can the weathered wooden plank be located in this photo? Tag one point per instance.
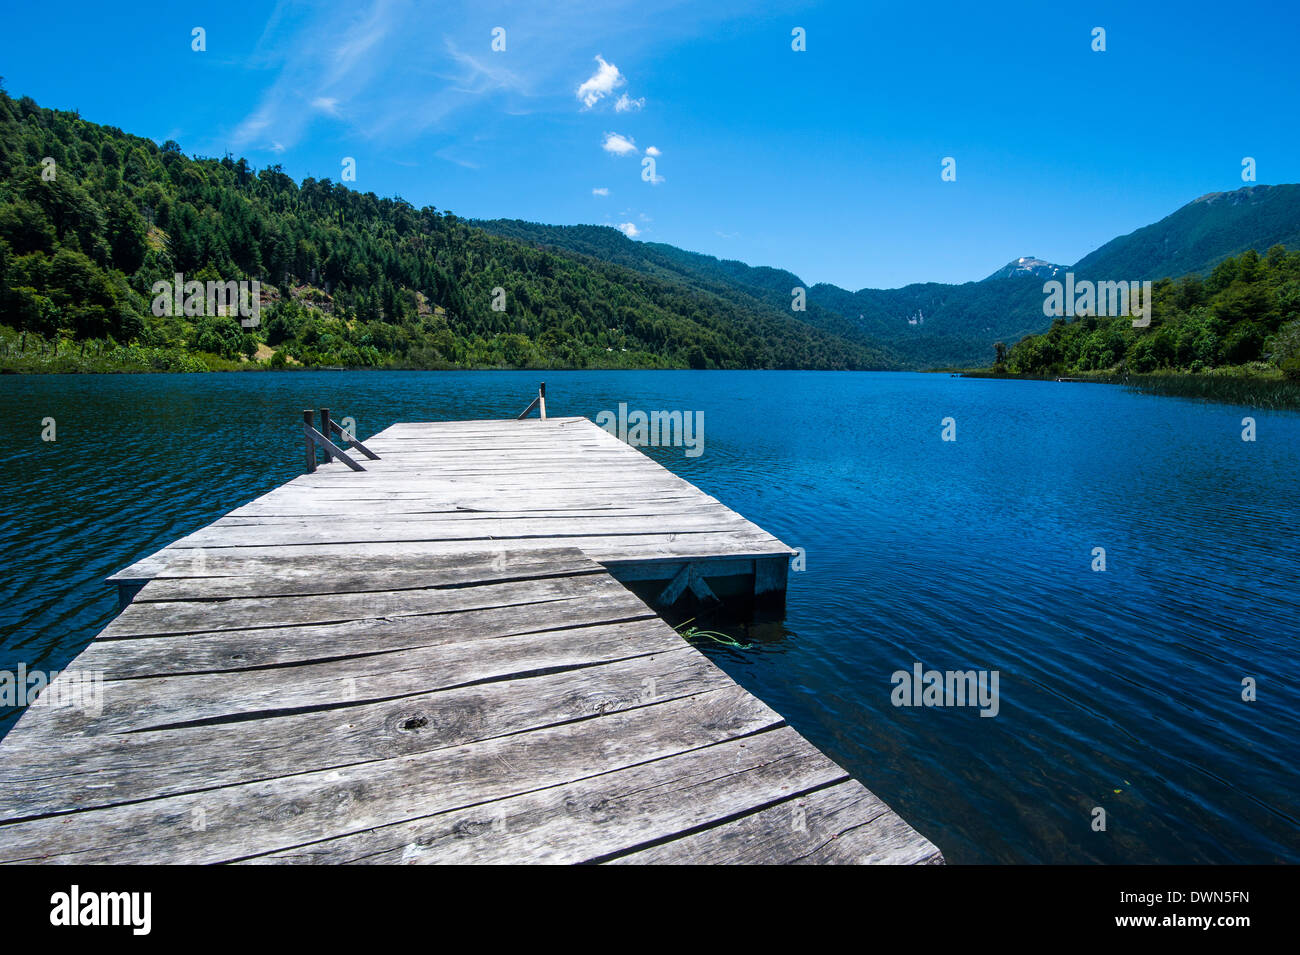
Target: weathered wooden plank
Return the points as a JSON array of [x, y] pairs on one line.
[[325, 503], [229, 651], [151, 702], [459, 562], [336, 576], [39, 776], [599, 816], [295, 515], [255, 818], [600, 549], [841, 824], [371, 529], [234, 613]]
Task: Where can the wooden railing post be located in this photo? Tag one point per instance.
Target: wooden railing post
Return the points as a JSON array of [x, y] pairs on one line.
[[351, 442], [541, 400], [325, 430], [323, 438], [307, 416]]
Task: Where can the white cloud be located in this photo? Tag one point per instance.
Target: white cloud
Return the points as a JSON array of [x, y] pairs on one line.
[[400, 73], [276, 148], [626, 103], [604, 81], [629, 229], [378, 66], [600, 191], [653, 151], [448, 153], [618, 144], [480, 75], [324, 57]]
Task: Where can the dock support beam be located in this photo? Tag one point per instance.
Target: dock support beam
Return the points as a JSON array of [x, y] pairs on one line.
[[771, 577], [539, 402], [688, 578], [325, 430], [311, 448], [126, 591]]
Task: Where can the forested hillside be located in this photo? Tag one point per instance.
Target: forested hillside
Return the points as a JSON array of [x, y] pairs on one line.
[[754, 287], [91, 218], [1243, 317], [953, 323], [932, 324], [1200, 235], [958, 324]]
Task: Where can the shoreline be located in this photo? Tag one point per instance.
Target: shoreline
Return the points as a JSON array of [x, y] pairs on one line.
[[43, 358], [1271, 392], [1267, 391]]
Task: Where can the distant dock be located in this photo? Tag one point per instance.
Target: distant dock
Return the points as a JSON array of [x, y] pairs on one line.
[[432, 658]]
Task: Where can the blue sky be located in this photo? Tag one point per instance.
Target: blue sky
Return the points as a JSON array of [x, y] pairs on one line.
[[826, 162]]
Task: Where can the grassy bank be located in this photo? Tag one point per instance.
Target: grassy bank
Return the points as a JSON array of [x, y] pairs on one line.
[[1272, 392], [26, 353], [1255, 385], [32, 354]]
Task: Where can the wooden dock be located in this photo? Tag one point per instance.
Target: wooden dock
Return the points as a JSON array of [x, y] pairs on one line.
[[434, 660]]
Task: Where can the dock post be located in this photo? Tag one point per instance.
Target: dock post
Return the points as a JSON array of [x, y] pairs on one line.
[[541, 400], [325, 430], [307, 415], [771, 578]]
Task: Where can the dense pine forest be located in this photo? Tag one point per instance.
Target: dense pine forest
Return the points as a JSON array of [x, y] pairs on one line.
[[1242, 319], [91, 218]]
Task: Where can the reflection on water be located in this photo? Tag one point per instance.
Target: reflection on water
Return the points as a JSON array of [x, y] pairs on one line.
[[1118, 689]]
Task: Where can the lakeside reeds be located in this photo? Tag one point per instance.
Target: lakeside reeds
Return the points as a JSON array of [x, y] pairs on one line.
[[1245, 385]]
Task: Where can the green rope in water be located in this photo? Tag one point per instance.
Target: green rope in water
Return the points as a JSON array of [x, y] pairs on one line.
[[715, 636]]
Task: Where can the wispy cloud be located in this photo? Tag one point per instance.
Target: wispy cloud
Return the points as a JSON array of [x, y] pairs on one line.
[[449, 156], [371, 65], [464, 82], [653, 151], [600, 84], [600, 191], [376, 75], [322, 65], [480, 74]]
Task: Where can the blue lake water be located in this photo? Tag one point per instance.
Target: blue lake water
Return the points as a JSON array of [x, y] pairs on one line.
[[1119, 689]]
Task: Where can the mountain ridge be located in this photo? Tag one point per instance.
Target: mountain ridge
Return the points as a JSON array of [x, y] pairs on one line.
[[93, 218], [936, 324], [1026, 266], [359, 280]]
